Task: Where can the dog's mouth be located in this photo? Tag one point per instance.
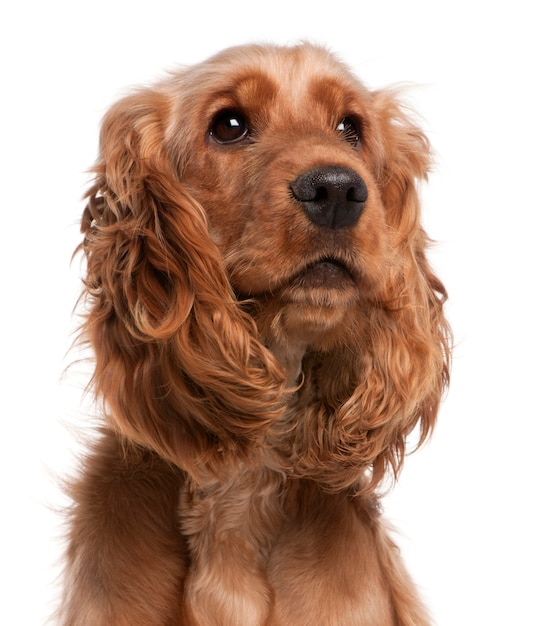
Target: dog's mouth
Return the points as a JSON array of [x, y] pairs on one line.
[[322, 276], [328, 273]]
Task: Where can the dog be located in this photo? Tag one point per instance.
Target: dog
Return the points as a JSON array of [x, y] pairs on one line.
[[267, 331]]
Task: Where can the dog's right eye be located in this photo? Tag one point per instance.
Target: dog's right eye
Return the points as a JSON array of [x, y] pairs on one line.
[[229, 127]]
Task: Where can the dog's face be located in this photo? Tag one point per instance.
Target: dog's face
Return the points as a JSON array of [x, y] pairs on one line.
[[281, 154], [256, 217]]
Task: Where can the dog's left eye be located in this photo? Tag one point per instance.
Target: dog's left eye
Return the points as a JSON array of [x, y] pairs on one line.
[[349, 129], [229, 127]]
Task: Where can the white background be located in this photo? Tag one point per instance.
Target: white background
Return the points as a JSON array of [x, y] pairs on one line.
[[469, 505]]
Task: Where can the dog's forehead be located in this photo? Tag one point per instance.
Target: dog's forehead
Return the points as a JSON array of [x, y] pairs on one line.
[[260, 75]]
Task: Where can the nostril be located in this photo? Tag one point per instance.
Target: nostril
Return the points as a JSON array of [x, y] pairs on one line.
[[320, 194], [358, 193]]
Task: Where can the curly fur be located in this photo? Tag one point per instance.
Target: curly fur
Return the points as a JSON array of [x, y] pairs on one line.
[[253, 404]]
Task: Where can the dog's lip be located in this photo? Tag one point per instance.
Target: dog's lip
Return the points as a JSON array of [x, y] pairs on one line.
[[326, 273]]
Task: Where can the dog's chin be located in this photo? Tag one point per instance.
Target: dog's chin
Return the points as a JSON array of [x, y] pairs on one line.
[[311, 302], [315, 301]]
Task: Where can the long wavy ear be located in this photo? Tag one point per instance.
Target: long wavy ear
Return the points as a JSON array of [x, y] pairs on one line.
[[403, 361], [178, 364], [408, 363]]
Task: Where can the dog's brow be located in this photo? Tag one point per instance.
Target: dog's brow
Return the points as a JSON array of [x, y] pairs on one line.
[[254, 89], [332, 94]]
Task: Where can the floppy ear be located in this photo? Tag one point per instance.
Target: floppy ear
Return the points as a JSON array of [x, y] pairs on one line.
[[404, 340], [391, 374], [178, 364], [407, 365]]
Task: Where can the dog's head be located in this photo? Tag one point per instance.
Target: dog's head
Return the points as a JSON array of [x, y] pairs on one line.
[[253, 216]]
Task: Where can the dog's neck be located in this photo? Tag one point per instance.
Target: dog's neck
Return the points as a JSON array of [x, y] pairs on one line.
[[290, 357]]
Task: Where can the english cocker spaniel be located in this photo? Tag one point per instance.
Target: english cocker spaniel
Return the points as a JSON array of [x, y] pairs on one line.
[[267, 332]]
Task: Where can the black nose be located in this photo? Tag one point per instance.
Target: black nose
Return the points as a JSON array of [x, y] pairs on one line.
[[332, 196]]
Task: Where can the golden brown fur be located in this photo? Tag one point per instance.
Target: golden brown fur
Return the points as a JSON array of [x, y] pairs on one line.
[[260, 362]]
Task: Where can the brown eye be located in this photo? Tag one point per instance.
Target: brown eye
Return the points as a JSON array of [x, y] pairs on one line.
[[229, 127], [349, 130]]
